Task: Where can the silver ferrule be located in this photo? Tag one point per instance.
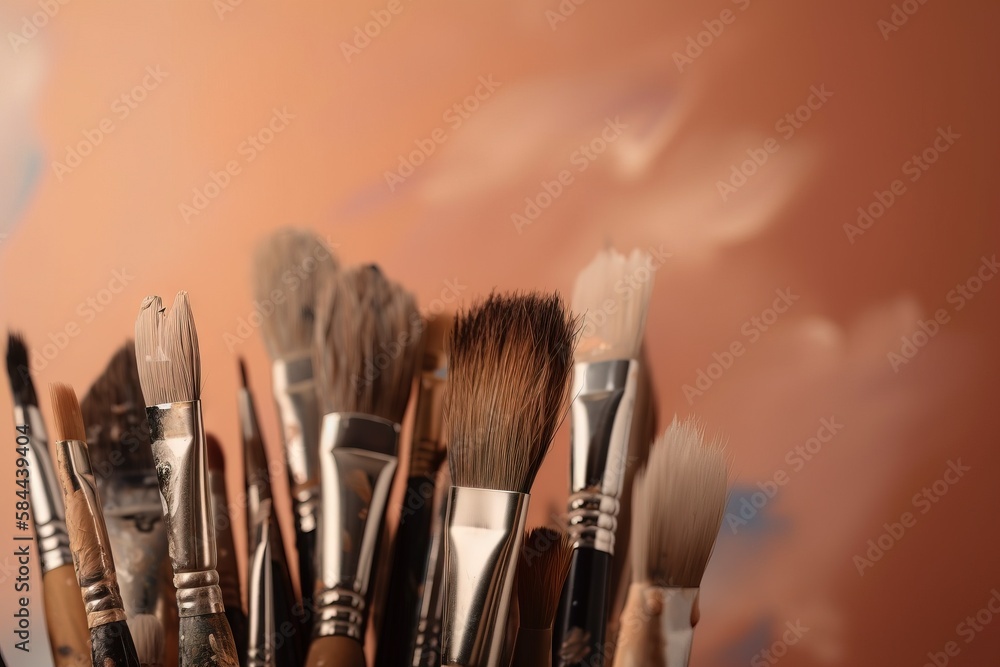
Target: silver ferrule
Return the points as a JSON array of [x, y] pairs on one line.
[[427, 643], [261, 626], [603, 398], [47, 510], [134, 518], [298, 409], [676, 630], [178, 436], [485, 531], [358, 462], [656, 626], [95, 568]]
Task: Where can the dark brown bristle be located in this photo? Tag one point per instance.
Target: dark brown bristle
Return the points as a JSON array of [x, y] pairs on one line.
[[216, 459], [18, 371], [66, 410], [243, 373], [509, 360], [541, 572]]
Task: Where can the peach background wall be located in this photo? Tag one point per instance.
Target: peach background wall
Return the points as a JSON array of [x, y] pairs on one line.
[[557, 75]]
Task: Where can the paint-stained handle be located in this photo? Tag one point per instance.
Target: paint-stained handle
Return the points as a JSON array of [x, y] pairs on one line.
[[582, 619], [113, 646], [207, 641], [66, 617]]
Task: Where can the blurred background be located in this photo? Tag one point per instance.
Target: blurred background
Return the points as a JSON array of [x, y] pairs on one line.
[[815, 182]]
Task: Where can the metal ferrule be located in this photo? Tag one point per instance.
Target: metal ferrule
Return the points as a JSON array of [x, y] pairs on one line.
[[427, 643], [261, 634], [95, 569], [604, 395], [178, 436], [134, 518], [358, 460], [428, 424], [676, 630], [298, 408], [656, 627], [47, 510], [485, 531]]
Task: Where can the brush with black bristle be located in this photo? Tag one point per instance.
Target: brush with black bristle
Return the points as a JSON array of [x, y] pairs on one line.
[[110, 638], [368, 339], [166, 346], [509, 361], [678, 505], [64, 611], [541, 574], [289, 269]]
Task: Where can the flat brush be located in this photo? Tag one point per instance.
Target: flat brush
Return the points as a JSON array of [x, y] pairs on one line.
[[612, 293], [413, 536], [64, 611], [541, 573], [678, 504], [166, 345], [110, 638], [368, 334], [509, 362], [289, 269]]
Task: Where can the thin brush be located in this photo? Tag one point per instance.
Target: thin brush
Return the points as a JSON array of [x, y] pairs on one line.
[[368, 333], [678, 505], [67, 620], [110, 638], [612, 293], [149, 641], [541, 574], [509, 362], [289, 269], [166, 345], [262, 634]]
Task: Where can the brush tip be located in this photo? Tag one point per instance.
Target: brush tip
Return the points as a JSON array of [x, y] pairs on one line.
[[243, 373], [18, 370], [541, 573], [216, 459], [68, 416]]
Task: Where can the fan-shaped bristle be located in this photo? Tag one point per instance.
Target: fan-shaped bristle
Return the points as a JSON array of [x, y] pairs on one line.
[[541, 573], [166, 350], [68, 421]]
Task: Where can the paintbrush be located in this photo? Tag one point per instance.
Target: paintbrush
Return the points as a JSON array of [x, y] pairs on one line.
[[262, 635], [427, 643], [166, 345], [118, 438], [368, 335], [413, 535], [289, 649], [678, 504], [541, 574], [64, 610], [149, 642], [289, 268], [612, 293], [110, 638], [509, 362]]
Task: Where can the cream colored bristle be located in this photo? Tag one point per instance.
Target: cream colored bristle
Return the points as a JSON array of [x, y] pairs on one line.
[[147, 635], [67, 413], [166, 351]]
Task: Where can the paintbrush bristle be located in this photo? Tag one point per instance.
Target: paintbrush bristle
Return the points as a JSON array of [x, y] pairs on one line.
[[541, 573], [509, 361], [68, 421], [367, 344], [166, 351], [244, 380], [678, 504], [18, 371], [289, 269], [612, 295], [147, 634]]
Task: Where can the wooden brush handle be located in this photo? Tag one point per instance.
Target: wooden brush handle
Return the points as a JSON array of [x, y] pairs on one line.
[[583, 610], [533, 648], [112, 645], [66, 617], [207, 641], [335, 651]]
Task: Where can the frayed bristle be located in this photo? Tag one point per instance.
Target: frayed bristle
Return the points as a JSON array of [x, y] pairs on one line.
[[678, 505], [289, 269], [166, 351], [509, 361], [541, 573], [612, 295], [19, 372], [213, 448], [68, 420], [147, 634], [367, 344]]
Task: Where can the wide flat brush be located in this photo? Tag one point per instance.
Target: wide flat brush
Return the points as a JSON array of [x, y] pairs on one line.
[[541, 574], [64, 611], [509, 362], [110, 638], [678, 505], [166, 345]]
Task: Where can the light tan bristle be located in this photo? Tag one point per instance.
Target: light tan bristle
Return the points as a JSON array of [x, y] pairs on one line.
[[166, 351], [289, 269], [541, 573], [367, 344], [612, 295], [509, 362], [677, 507], [66, 410], [147, 634]]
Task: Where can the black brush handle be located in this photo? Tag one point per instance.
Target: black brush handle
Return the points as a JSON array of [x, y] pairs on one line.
[[238, 626], [206, 641], [111, 645], [579, 634], [305, 544], [292, 638]]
